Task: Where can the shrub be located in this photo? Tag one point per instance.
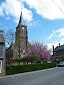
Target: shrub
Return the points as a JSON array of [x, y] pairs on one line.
[[60, 57], [17, 60], [31, 58], [14, 69]]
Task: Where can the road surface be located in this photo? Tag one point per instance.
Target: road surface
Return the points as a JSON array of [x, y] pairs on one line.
[[53, 76]]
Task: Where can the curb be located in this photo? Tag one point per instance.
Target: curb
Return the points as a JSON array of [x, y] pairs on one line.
[[26, 73]]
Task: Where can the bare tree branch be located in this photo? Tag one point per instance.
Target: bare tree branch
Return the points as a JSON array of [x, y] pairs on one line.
[[9, 37]]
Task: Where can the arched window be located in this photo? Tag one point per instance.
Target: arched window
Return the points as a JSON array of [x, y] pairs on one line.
[[23, 45], [15, 53], [23, 31]]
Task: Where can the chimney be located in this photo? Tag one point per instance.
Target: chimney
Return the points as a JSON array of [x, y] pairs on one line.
[[53, 49], [59, 46], [1, 32]]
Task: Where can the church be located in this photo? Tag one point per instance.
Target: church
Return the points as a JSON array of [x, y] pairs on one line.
[[20, 47]]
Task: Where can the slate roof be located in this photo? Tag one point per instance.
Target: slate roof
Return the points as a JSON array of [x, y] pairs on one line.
[[59, 48], [2, 38]]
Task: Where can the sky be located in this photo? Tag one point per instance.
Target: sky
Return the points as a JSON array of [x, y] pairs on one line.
[[44, 19]]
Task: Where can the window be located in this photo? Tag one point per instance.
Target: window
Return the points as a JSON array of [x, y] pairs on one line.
[[23, 46], [0, 66], [23, 31], [1, 50], [15, 53]]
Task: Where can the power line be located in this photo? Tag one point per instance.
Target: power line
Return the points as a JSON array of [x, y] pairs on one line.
[[58, 7]]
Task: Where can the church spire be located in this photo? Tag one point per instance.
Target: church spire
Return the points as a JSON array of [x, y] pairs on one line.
[[21, 21]]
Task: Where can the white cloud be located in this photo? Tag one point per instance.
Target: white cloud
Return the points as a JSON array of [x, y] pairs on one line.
[[61, 32], [13, 8], [34, 24], [57, 33], [27, 14], [55, 44], [1, 12], [62, 39], [7, 18], [50, 36], [47, 9]]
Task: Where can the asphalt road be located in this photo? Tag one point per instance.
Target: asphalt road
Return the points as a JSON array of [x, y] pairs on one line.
[[48, 77]]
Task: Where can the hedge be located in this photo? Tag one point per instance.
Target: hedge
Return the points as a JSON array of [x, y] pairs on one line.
[[14, 69]]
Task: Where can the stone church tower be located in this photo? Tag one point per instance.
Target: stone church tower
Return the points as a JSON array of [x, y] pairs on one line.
[[20, 47], [21, 37]]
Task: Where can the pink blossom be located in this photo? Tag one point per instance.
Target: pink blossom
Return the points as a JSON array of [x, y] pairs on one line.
[[39, 49]]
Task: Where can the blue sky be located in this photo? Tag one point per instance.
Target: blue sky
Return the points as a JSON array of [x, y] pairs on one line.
[[44, 20]]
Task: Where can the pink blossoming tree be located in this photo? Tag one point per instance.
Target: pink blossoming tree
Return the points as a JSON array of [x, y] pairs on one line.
[[37, 48]]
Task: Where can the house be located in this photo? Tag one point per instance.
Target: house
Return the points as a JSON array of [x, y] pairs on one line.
[[59, 50], [2, 53]]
